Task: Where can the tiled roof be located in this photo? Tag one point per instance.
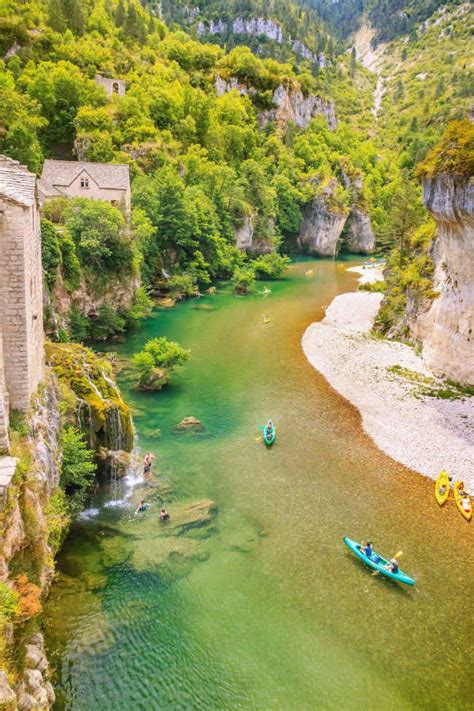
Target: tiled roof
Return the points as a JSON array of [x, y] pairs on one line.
[[64, 172], [16, 182]]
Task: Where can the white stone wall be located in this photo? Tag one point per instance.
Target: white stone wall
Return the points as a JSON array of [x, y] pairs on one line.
[[112, 86], [21, 301], [4, 444], [95, 192]]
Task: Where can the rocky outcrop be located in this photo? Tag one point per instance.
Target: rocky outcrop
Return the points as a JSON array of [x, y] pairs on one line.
[[35, 691], [259, 27], [117, 295], [244, 233], [360, 237], [321, 229], [26, 532], [289, 104], [292, 105], [93, 396], [446, 328]]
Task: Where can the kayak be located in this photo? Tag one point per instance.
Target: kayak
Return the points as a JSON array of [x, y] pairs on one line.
[[458, 487], [269, 435], [442, 480], [376, 562]]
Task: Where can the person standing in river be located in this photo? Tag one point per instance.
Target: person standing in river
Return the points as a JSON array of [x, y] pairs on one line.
[[147, 463]]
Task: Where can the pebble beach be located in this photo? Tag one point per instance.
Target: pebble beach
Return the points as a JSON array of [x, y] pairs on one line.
[[425, 433]]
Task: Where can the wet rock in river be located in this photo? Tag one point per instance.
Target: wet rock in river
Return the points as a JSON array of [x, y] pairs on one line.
[[189, 423]]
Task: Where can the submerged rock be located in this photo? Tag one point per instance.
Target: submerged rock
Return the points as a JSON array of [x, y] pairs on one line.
[[189, 423]]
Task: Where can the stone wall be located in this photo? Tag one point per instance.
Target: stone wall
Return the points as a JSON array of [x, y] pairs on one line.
[[21, 301]]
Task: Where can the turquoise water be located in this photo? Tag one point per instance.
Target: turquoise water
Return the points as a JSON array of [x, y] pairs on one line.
[[264, 608]]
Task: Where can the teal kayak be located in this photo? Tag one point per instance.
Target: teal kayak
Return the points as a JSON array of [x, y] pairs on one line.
[[377, 563], [269, 433]]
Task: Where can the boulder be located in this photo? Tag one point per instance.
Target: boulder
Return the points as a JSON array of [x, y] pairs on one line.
[[188, 423]]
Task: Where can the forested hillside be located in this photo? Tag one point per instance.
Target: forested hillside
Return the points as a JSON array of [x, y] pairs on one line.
[[226, 149]]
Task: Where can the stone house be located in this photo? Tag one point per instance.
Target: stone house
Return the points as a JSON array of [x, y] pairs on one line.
[[111, 86], [21, 291], [99, 181]]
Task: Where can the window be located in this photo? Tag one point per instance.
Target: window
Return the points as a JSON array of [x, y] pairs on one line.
[[84, 182], [115, 87]]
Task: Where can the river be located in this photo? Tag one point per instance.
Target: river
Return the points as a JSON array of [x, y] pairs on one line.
[[266, 609]]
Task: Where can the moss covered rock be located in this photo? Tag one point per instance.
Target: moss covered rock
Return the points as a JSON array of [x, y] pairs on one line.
[[92, 397]]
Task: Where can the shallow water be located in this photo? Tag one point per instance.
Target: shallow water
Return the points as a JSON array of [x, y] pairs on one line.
[[270, 611]]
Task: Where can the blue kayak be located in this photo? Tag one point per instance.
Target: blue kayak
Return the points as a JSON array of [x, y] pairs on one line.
[[377, 563]]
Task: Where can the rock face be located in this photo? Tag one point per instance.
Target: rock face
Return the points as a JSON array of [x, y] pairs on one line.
[[118, 295], [244, 233], [446, 329], [289, 105], [321, 229], [360, 237], [293, 106]]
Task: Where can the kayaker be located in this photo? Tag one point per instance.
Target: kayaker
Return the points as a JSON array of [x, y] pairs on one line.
[[142, 506], [392, 565], [366, 547], [465, 503], [164, 515]]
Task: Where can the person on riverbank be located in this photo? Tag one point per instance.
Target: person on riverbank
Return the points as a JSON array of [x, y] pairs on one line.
[[142, 507], [147, 464], [164, 515]]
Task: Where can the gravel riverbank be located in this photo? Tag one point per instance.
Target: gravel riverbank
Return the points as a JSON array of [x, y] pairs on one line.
[[424, 433]]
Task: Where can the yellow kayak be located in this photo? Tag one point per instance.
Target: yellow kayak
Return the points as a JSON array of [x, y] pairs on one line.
[[442, 488], [458, 497]]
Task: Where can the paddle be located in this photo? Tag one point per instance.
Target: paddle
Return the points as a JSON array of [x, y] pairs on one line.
[[397, 555]]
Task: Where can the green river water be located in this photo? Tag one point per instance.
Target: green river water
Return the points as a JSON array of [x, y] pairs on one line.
[[267, 609]]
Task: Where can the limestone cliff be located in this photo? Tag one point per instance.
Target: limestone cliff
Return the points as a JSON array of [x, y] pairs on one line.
[[289, 105], [88, 299], [321, 228], [446, 327], [327, 227]]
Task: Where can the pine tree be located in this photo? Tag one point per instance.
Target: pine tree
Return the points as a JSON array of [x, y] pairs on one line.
[[56, 18], [353, 61], [120, 14]]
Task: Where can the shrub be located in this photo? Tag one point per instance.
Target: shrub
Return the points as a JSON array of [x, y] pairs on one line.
[[181, 285], [78, 468], [152, 365], [271, 266], [58, 518], [29, 595], [141, 307], [53, 209], [8, 603], [106, 324], [243, 280], [50, 253]]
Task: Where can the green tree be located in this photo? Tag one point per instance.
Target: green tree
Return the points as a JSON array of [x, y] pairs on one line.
[[78, 468], [98, 232]]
